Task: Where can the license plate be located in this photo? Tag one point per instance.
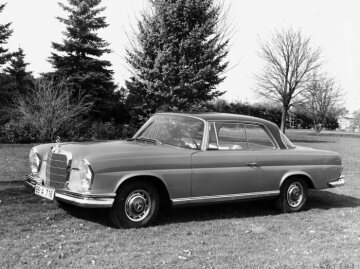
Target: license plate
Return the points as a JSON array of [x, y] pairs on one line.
[[45, 192]]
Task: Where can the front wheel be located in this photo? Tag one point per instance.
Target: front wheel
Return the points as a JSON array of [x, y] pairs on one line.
[[136, 205], [293, 195]]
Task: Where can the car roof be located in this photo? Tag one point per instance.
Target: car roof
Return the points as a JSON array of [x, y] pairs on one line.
[[214, 116]]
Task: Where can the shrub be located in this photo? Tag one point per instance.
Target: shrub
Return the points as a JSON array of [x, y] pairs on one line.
[[18, 131], [104, 131], [47, 110]]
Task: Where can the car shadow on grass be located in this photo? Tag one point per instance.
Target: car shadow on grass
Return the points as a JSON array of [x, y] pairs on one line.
[[96, 215], [14, 193], [317, 200], [328, 200], [185, 214], [245, 209]]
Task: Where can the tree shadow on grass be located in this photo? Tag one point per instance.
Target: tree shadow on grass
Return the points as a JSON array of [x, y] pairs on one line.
[[15, 194]]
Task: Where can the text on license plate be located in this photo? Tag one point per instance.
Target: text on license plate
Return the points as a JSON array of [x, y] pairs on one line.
[[45, 192]]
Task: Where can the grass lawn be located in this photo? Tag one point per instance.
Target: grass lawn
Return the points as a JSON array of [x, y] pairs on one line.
[[37, 233]]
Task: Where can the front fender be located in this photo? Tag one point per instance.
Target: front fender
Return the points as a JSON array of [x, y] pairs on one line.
[[176, 181]]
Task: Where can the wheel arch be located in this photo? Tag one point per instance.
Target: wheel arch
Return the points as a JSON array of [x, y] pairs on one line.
[[158, 182], [298, 174]]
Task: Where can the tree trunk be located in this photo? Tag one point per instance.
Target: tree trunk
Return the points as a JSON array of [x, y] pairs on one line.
[[318, 127], [283, 120], [317, 124], [314, 124]]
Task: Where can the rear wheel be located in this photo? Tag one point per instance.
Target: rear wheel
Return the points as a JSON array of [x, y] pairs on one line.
[[136, 205], [293, 195]]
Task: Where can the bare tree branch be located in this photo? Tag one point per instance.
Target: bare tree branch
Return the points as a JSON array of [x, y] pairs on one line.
[[321, 98], [289, 60], [49, 107]]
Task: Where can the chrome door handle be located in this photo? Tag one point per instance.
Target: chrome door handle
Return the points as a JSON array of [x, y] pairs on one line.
[[252, 164]]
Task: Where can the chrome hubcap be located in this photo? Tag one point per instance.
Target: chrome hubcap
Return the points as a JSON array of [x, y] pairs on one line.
[[137, 205], [295, 194]]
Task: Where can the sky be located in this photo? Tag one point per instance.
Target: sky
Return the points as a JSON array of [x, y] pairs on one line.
[[332, 25]]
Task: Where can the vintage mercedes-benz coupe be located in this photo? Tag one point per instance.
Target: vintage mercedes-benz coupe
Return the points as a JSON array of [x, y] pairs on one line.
[[182, 159]]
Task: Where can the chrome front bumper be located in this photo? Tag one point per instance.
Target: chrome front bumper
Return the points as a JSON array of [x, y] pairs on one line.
[[337, 183], [74, 198]]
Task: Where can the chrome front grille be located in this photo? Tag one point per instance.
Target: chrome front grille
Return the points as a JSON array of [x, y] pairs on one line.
[[57, 171]]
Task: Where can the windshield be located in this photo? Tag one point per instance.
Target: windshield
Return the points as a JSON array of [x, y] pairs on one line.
[[176, 130], [287, 141]]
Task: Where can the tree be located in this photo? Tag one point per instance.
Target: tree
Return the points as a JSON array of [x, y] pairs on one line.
[[78, 58], [5, 84], [5, 33], [48, 109], [289, 61], [22, 80], [177, 56], [322, 100], [356, 115]]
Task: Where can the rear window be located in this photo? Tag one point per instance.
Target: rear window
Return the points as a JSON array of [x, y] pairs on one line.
[[287, 141], [258, 138]]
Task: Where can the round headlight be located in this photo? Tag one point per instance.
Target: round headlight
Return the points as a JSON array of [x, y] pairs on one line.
[[86, 175], [35, 161]]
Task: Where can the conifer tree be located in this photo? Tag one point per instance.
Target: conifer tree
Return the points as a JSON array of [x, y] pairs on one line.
[[78, 57], [5, 82], [21, 79], [5, 33], [178, 56]]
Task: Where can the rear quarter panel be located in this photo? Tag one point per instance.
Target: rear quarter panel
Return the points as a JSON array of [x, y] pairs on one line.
[[319, 166]]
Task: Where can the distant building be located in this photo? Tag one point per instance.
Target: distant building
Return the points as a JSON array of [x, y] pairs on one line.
[[349, 124]]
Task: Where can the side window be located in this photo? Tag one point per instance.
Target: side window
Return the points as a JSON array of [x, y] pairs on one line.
[[231, 136], [258, 138]]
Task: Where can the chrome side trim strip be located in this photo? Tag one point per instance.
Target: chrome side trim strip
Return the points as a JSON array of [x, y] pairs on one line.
[[223, 198]]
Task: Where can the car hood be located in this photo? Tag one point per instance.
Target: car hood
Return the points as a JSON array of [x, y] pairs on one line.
[[115, 150]]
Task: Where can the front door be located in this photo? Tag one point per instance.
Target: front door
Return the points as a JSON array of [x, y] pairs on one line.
[[227, 167], [223, 172]]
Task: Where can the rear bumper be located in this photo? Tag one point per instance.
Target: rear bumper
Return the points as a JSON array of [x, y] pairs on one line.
[[337, 183], [74, 198]]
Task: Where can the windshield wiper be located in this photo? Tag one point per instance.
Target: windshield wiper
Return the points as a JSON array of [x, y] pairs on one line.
[[146, 140]]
